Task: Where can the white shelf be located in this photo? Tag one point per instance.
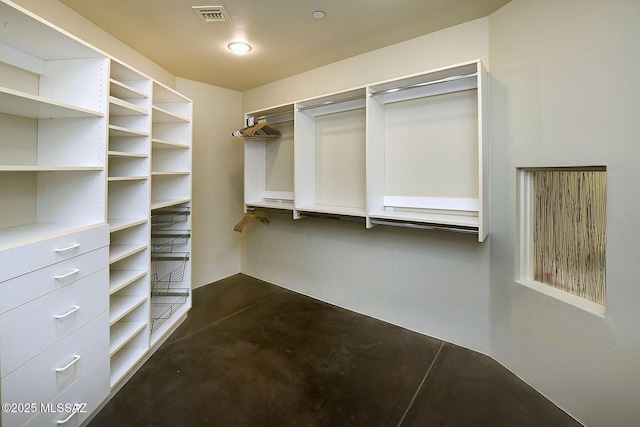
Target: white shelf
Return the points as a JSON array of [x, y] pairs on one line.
[[23, 104], [161, 144], [284, 204], [27, 168], [126, 154], [127, 178], [120, 306], [120, 107], [122, 90], [123, 362], [165, 203], [122, 332], [160, 115], [119, 252], [121, 224], [335, 210], [119, 279], [120, 131], [458, 219], [169, 173]]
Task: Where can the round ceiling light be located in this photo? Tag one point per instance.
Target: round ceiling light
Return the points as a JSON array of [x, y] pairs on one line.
[[318, 14], [239, 48]]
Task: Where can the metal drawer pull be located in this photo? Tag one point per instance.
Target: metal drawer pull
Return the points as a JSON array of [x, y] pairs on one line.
[[75, 411], [64, 368], [71, 273], [70, 312], [68, 248]]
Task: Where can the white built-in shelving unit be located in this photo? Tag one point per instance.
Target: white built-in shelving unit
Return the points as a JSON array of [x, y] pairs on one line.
[[171, 209], [92, 153], [128, 198], [408, 152]]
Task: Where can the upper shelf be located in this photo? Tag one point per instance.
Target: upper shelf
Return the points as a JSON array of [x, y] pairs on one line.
[[22, 104], [161, 115], [53, 43]]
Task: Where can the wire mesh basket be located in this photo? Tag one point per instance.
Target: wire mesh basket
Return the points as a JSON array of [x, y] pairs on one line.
[[167, 241], [167, 269], [167, 217], [164, 305]]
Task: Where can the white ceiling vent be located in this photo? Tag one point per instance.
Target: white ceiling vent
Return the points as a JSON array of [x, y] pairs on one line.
[[212, 13]]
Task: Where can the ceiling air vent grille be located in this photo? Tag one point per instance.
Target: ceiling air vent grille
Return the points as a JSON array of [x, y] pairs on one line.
[[212, 13]]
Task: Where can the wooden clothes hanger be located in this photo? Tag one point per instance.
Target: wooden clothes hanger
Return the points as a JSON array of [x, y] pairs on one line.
[[249, 217]]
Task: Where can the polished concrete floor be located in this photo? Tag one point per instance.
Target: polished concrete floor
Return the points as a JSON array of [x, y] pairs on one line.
[[254, 354]]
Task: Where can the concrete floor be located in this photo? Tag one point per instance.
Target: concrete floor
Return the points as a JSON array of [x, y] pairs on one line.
[[254, 354]]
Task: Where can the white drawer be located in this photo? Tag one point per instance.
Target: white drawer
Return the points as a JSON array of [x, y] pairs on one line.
[[26, 258], [88, 392], [27, 287], [55, 369], [31, 328]]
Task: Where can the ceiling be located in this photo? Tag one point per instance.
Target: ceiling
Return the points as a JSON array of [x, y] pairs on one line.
[[286, 38]]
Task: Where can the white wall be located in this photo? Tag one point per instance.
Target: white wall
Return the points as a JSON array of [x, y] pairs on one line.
[[217, 181], [565, 91], [433, 282]]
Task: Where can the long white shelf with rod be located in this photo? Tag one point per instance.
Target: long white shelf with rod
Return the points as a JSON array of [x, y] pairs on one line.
[[410, 152], [428, 150]]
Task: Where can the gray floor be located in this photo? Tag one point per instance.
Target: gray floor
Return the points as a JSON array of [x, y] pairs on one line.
[[253, 354]]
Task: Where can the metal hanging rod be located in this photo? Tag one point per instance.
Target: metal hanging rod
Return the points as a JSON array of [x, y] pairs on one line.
[[429, 83], [426, 226], [324, 104], [266, 116]]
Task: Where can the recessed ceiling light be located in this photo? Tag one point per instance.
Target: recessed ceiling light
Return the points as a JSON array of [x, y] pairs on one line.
[[239, 48], [318, 14]]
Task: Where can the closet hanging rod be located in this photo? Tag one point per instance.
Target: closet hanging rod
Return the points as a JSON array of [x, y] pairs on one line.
[[324, 104], [266, 116], [257, 119], [429, 83]]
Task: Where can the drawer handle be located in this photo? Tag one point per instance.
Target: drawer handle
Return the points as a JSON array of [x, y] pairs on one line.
[[64, 368], [69, 313], [68, 248], [71, 273], [75, 411]]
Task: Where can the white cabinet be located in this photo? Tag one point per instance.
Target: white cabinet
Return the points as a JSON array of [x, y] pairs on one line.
[[410, 152], [53, 319], [89, 147]]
